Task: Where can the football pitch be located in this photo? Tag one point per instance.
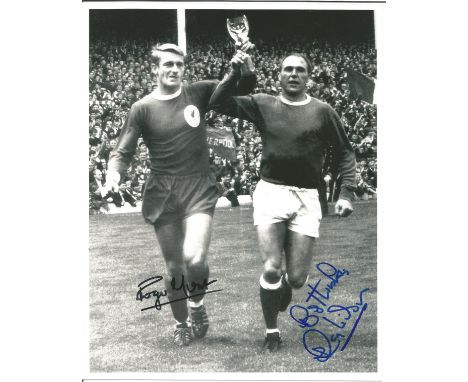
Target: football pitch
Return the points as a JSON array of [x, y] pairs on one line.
[[123, 252]]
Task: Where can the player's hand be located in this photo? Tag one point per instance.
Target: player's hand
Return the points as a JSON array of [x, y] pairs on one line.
[[112, 183], [242, 64], [237, 60], [247, 68], [343, 208], [244, 45]]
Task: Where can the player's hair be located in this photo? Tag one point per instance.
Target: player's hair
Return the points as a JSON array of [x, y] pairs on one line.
[[303, 56], [173, 48]]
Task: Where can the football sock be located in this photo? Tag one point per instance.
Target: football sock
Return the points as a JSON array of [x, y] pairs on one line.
[[196, 304], [269, 298], [197, 277], [182, 324], [179, 308]]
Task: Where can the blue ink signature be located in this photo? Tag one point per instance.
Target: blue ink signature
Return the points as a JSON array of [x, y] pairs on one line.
[[332, 274], [315, 341], [188, 290]]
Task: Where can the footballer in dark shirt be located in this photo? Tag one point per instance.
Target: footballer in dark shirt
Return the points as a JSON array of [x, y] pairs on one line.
[[180, 193], [296, 131]]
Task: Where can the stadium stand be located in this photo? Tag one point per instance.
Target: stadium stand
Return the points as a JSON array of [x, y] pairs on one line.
[[120, 74]]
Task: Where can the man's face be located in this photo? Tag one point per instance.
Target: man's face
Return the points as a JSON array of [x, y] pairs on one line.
[[293, 76], [113, 143], [98, 174], [142, 156], [170, 70]]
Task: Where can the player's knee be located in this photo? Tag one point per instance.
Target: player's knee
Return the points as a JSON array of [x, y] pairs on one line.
[[197, 269], [272, 275], [194, 256], [174, 269], [297, 280]]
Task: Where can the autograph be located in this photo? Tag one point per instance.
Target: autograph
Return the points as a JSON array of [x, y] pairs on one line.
[[315, 341], [144, 292]]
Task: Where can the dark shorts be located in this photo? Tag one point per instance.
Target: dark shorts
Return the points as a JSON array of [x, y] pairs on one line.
[[168, 198]]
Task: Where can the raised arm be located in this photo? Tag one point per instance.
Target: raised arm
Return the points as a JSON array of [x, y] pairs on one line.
[[227, 97], [243, 65]]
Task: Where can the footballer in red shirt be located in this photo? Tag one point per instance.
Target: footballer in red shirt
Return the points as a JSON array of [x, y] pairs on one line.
[[180, 193]]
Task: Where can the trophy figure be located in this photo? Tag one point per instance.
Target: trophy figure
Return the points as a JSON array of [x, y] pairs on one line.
[[238, 28]]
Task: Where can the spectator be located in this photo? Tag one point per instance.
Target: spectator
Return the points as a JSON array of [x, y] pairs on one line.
[[97, 200], [363, 189], [125, 195], [217, 167], [246, 183], [226, 188], [120, 74], [139, 186]]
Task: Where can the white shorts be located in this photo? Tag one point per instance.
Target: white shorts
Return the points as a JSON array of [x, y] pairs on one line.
[[298, 207]]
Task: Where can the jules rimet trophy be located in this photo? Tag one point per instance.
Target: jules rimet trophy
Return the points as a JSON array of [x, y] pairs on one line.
[[238, 28]]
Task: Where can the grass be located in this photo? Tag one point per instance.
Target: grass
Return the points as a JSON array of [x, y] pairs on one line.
[[123, 251]]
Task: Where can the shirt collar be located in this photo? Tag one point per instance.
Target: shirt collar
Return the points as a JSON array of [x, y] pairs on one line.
[[296, 103], [165, 97]]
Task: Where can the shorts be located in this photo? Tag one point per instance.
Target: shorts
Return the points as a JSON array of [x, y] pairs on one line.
[[169, 198], [298, 207]]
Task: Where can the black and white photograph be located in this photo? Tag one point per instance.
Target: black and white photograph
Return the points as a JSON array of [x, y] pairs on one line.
[[233, 228], [233, 191]]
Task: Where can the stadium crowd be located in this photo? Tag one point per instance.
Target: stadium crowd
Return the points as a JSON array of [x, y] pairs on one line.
[[120, 74]]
